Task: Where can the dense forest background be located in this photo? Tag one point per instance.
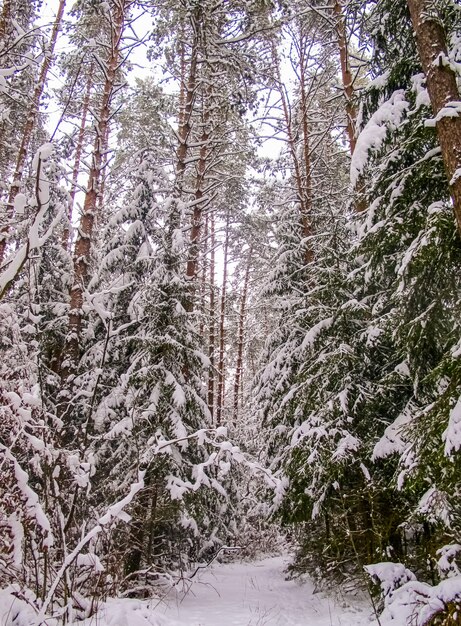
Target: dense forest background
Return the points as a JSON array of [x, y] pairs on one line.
[[230, 294]]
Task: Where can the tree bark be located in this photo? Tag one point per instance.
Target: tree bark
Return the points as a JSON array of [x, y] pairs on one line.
[[212, 334], [5, 20], [78, 156], [306, 182], [197, 215], [241, 339], [222, 330], [105, 170], [85, 232], [186, 106], [300, 180], [443, 92], [346, 74], [30, 123], [203, 276], [187, 98]]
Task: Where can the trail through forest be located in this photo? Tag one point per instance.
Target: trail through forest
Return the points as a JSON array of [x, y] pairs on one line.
[[258, 594], [233, 594]]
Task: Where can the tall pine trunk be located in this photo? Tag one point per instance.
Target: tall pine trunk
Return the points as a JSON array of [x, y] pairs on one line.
[[212, 316], [346, 75], [83, 244], [443, 91], [241, 340], [197, 215], [306, 182], [78, 156], [5, 19], [222, 329], [301, 179]]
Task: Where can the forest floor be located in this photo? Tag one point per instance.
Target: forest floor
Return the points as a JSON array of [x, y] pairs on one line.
[[232, 594], [243, 594]]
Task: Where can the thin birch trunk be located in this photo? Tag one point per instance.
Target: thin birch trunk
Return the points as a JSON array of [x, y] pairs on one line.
[[443, 92]]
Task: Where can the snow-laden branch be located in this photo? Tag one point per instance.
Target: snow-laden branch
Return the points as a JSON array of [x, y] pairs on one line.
[[114, 512]]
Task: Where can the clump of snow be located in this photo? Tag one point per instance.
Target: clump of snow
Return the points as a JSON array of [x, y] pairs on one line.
[[446, 563], [452, 435], [392, 441], [90, 560], [20, 203], [422, 96], [388, 116], [390, 576], [416, 603], [315, 331], [346, 445], [434, 506], [451, 109]]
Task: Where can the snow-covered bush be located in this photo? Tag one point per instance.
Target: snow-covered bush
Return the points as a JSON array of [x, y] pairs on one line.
[[409, 602]]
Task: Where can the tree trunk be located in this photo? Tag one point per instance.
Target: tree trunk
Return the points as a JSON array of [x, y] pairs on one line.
[[306, 182], [197, 216], [212, 335], [241, 338], [104, 167], [443, 92], [78, 156], [306, 226], [360, 201], [5, 20], [185, 113], [351, 109], [184, 131], [85, 233], [222, 331], [203, 277], [30, 123]]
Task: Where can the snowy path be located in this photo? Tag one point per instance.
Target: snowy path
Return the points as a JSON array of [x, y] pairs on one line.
[[236, 594], [256, 594]]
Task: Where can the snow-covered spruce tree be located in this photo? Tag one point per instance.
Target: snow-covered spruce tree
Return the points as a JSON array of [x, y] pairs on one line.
[[423, 435], [382, 357], [151, 390], [409, 236], [151, 409]]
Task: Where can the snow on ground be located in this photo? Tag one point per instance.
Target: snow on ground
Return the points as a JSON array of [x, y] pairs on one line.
[[235, 594], [257, 594]]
